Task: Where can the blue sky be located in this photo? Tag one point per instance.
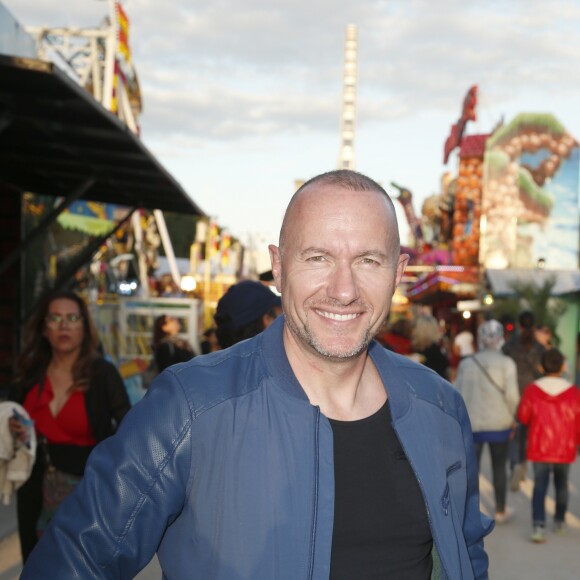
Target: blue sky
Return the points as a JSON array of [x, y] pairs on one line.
[[241, 99]]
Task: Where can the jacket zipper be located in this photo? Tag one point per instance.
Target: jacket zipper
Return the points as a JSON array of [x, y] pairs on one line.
[[315, 503], [445, 501], [444, 571]]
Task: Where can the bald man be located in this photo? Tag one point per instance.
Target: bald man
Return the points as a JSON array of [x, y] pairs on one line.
[[308, 451]]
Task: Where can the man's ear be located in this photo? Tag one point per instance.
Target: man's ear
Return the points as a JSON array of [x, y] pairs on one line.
[[276, 262], [403, 261]]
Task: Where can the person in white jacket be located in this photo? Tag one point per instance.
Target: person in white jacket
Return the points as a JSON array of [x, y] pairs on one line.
[[16, 455], [488, 383]]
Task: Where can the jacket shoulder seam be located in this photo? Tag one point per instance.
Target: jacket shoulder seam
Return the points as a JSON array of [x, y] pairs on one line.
[[198, 411]]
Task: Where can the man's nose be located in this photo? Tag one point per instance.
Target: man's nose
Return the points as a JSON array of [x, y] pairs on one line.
[[343, 285]]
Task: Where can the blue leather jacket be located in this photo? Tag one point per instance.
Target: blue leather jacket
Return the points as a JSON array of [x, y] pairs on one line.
[[226, 470]]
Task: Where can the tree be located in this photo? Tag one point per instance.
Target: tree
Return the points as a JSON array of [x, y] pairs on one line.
[[538, 299]]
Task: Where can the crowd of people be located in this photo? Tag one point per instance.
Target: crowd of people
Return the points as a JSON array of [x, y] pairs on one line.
[[291, 443], [509, 387]]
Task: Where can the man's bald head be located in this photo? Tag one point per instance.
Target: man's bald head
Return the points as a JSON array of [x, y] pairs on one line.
[[343, 179]]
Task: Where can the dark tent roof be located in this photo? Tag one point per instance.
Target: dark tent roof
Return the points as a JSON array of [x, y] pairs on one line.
[[54, 136]]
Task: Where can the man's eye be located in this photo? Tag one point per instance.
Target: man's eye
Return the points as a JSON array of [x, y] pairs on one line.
[[316, 259], [369, 261]]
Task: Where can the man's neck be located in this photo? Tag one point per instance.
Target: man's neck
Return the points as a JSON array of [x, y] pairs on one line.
[[346, 390]]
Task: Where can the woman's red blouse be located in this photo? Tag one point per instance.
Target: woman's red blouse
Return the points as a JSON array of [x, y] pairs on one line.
[[70, 426]]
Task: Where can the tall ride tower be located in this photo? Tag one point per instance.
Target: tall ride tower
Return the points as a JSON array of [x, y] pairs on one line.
[[348, 118]]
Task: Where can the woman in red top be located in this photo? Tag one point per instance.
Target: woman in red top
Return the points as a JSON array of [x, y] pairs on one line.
[[74, 396]]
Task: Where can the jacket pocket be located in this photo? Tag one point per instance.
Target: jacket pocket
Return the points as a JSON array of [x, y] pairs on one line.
[[445, 500]]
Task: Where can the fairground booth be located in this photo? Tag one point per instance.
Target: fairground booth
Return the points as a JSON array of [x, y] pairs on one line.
[[507, 218], [60, 148]]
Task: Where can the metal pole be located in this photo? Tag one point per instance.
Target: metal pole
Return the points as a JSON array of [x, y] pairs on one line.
[[167, 246], [111, 45], [207, 274], [140, 251]]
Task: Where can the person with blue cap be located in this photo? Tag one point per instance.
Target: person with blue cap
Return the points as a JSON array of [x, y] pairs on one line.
[[245, 310]]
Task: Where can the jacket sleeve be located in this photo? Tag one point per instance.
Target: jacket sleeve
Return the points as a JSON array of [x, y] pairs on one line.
[[525, 408], [460, 379], [117, 397], [475, 524], [135, 485], [578, 419], [106, 399]]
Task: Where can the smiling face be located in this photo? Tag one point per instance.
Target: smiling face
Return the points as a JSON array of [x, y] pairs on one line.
[[337, 269], [63, 326]]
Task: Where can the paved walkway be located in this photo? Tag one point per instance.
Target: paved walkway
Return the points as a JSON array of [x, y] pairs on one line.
[[512, 555]]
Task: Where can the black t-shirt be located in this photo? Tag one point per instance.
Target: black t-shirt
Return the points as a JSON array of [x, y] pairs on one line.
[[381, 529]]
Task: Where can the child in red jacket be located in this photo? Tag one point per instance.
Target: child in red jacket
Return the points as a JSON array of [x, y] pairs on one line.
[[551, 408]]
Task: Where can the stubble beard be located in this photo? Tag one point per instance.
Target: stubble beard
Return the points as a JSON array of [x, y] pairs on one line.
[[306, 335]]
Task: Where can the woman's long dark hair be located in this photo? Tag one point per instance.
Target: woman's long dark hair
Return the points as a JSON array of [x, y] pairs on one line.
[[37, 353]]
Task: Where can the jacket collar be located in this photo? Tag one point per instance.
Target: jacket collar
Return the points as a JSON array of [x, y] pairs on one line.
[[387, 364], [553, 386], [276, 361], [395, 380]]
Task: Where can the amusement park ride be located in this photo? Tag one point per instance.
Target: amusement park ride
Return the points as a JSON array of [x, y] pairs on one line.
[[483, 216], [435, 210], [99, 59], [491, 203], [348, 118], [508, 194], [433, 235]]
